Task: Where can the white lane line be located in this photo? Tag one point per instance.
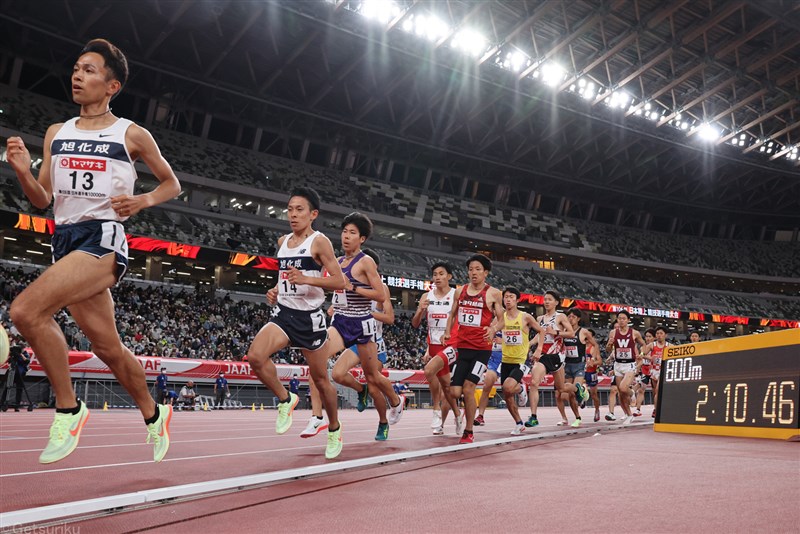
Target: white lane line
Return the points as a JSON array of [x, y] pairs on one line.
[[174, 442], [116, 502]]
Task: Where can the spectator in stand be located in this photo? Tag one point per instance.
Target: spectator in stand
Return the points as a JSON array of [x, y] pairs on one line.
[[221, 390], [187, 396]]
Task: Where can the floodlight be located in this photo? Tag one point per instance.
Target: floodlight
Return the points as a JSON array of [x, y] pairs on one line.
[[470, 41], [708, 132], [380, 10], [552, 73]]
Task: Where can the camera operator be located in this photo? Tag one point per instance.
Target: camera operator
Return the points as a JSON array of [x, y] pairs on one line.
[[18, 363]]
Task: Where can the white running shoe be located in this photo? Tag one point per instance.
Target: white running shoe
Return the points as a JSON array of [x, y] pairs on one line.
[[396, 412], [523, 396], [628, 420], [437, 419], [518, 430], [438, 431], [314, 426], [563, 422], [460, 423], [611, 417]]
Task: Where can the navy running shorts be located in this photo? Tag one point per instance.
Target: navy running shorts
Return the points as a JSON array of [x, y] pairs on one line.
[[98, 238], [305, 329]]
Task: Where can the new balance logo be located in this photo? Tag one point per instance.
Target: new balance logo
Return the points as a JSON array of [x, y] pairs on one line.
[[316, 342]]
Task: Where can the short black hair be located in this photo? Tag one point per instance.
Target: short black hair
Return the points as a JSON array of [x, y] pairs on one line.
[[513, 290], [662, 328], [360, 221], [372, 254], [650, 331], [553, 293], [576, 312], [444, 265], [115, 60], [591, 331], [309, 194], [625, 313], [480, 258]]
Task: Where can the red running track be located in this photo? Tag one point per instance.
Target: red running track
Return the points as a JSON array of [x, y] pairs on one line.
[[630, 479]]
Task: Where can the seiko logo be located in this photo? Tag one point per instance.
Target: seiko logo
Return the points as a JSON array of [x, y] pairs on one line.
[[685, 350]]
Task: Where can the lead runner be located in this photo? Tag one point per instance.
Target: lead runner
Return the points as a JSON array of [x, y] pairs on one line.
[[88, 169]]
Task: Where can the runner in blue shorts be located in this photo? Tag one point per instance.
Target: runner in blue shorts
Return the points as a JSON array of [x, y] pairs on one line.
[[490, 377]]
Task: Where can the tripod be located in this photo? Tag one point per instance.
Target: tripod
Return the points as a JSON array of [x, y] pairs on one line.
[[15, 381]]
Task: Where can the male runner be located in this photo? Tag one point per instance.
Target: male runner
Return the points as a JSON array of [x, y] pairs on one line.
[[655, 351], [642, 378], [625, 342], [298, 319], [516, 344], [383, 313], [478, 313], [549, 355], [490, 377], [436, 305], [575, 363], [88, 168], [593, 362], [353, 323]]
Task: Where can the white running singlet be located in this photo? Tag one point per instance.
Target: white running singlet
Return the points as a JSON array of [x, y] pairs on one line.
[[302, 296], [438, 312], [88, 167]]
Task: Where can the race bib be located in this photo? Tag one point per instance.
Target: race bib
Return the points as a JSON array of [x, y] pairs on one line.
[[470, 317], [381, 344], [451, 354], [114, 238], [288, 289], [318, 323], [339, 299], [83, 177], [368, 327], [512, 337], [571, 351], [624, 353]]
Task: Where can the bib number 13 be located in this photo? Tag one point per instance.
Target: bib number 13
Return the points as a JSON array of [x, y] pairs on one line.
[[85, 179]]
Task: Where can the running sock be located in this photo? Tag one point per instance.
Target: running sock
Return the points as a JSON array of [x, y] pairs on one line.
[[318, 417], [519, 422], [334, 429], [152, 419], [71, 411], [287, 399]]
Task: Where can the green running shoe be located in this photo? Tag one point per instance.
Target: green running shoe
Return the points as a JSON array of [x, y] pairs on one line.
[[532, 422], [383, 432], [363, 398], [334, 447], [158, 432], [64, 435], [285, 409]]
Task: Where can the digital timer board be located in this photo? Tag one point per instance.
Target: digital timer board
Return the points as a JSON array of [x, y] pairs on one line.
[[747, 386]]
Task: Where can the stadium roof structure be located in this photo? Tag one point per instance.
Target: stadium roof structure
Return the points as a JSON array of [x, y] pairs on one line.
[[667, 106]]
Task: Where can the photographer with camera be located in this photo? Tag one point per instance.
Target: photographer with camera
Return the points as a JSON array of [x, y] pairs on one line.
[[18, 363]]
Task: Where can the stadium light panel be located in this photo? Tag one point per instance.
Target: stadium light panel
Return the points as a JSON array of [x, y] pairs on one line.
[[708, 132], [470, 41], [552, 74], [379, 10], [430, 27]]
